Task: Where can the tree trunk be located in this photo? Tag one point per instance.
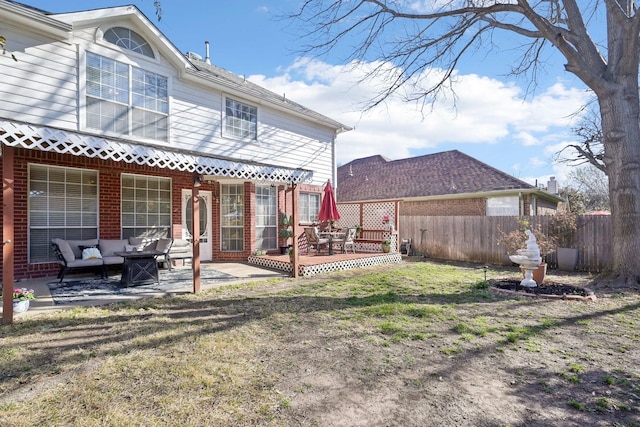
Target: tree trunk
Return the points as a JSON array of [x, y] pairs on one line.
[[621, 131]]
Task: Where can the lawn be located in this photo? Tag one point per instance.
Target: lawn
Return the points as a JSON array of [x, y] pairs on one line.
[[420, 344]]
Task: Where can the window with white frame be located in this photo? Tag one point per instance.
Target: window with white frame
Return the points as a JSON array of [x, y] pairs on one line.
[[232, 217], [266, 217], [128, 39], [503, 206], [309, 205], [63, 204], [240, 120], [146, 206], [126, 100]]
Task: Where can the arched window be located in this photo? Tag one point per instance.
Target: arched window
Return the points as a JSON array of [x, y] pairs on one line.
[[127, 39]]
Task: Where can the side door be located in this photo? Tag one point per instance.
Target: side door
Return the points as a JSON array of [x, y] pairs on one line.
[[206, 237]]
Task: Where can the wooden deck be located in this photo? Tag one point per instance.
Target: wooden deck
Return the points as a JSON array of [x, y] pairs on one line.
[[311, 264]]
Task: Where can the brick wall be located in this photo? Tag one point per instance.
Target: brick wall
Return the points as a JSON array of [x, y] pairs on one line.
[[109, 199], [546, 207], [449, 207]]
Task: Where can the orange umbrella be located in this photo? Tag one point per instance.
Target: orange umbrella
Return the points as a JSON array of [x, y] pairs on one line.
[[328, 208]]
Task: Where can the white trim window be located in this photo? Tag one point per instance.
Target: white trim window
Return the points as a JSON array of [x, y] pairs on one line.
[[126, 100], [266, 217], [128, 39], [309, 205], [146, 206], [503, 206], [232, 217], [240, 120], [63, 204]]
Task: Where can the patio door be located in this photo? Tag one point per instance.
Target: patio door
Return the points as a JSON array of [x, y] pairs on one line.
[[205, 221], [266, 217]]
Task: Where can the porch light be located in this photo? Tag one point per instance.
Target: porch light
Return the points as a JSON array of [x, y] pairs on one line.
[[197, 180]]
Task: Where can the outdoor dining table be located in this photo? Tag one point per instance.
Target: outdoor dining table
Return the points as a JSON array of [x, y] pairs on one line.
[[332, 235]]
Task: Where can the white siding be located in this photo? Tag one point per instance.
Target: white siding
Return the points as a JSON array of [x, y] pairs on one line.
[[45, 87], [282, 140], [41, 86]]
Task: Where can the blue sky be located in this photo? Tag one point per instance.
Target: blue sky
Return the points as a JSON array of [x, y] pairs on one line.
[[496, 119]]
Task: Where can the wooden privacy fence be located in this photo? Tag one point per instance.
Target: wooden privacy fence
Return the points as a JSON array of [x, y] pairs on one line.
[[474, 238]]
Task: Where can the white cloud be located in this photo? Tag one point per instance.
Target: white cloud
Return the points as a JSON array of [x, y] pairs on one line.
[[485, 111]]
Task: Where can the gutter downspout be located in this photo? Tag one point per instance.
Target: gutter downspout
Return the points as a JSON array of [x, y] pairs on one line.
[[334, 167]]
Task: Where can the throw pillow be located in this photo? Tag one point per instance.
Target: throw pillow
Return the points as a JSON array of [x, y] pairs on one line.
[[91, 253]]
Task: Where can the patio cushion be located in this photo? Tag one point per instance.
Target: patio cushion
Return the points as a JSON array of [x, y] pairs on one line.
[[143, 243], [79, 263], [163, 245], [108, 247], [65, 249], [181, 246]]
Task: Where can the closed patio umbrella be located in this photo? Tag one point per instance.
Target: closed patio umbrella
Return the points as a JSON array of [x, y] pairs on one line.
[[328, 208]]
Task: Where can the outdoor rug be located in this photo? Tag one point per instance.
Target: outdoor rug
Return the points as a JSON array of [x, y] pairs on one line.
[[97, 289]]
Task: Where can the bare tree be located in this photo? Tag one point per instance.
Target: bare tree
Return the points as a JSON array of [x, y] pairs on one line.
[[589, 188], [588, 183], [589, 148], [395, 35]]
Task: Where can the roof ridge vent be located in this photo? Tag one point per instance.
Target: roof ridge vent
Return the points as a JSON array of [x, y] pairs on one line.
[[194, 56]]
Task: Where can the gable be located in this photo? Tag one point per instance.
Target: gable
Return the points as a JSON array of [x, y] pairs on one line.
[[95, 22]]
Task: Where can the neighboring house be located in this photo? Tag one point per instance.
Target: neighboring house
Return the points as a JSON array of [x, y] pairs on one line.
[[441, 184], [105, 126]]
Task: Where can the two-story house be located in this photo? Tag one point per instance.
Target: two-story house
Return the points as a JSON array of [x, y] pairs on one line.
[[105, 127]]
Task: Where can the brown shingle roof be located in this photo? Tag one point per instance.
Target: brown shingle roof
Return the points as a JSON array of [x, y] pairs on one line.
[[446, 173]]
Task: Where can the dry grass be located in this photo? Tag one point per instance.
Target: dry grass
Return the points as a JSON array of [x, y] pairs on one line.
[[420, 344]]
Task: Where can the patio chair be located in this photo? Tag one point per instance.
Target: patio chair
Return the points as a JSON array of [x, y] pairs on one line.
[[314, 239], [349, 240], [164, 245]]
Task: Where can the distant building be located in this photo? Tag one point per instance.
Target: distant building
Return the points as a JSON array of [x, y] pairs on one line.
[[441, 184]]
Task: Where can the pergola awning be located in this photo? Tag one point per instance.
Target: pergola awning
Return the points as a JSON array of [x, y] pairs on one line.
[[16, 134]]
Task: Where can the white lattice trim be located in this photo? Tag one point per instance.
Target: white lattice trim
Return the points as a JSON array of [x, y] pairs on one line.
[[310, 270], [31, 137]]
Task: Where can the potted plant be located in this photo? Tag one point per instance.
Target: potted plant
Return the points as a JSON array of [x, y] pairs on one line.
[[515, 239], [21, 298], [358, 228], [563, 227], [285, 232], [290, 252], [386, 245]]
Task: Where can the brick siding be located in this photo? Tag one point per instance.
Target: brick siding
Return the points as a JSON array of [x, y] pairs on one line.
[[110, 208]]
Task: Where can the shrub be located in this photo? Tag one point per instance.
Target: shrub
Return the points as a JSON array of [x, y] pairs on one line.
[[515, 239], [563, 228]]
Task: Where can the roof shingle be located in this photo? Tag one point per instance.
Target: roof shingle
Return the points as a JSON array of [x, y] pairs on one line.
[[439, 174]]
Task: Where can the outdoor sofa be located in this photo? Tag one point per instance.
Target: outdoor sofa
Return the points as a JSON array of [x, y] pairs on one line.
[[99, 254]]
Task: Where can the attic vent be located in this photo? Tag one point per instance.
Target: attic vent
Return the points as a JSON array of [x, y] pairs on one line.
[[194, 56]]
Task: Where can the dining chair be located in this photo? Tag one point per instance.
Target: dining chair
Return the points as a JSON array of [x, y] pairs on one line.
[[349, 240], [314, 239]]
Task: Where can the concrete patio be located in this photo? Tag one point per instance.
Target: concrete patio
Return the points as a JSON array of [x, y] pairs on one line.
[[240, 272]]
